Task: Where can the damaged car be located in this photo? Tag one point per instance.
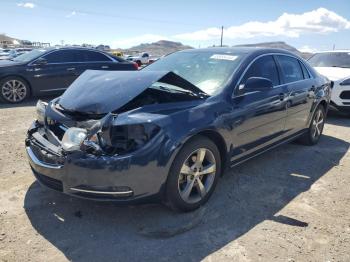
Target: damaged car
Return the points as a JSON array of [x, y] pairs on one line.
[[167, 132]]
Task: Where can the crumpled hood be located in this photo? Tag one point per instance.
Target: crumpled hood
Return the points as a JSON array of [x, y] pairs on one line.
[[100, 92], [334, 73]]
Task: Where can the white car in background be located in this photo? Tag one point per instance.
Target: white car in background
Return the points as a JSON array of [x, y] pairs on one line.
[[335, 65], [141, 59]]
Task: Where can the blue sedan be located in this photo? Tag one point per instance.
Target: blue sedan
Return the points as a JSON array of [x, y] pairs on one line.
[[167, 132]]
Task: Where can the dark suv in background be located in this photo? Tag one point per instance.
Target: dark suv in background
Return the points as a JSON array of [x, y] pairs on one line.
[[51, 71]]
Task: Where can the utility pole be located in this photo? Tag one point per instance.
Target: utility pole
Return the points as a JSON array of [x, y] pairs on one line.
[[333, 46], [222, 34]]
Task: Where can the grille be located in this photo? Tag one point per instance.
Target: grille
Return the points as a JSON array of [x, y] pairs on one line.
[[345, 95], [48, 181]]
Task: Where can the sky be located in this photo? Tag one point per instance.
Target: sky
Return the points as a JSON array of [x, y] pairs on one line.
[[309, 25]]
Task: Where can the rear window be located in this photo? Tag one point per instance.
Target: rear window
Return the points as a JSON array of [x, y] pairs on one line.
[[91, 56], [291, 69], [331, 59]]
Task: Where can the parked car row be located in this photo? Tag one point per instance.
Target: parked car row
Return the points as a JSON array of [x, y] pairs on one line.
[[6, 54], [51, 71], [167, 132]]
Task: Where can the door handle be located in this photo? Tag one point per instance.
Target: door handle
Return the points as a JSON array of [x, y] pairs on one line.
[[71, 69], [104, 67]]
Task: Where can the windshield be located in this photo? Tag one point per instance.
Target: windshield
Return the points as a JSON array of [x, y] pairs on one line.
[[331, 59], [26, 57], [207, 70]]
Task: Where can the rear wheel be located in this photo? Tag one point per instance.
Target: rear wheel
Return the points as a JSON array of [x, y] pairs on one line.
[[193, 175], [313, 134], [13, 90]]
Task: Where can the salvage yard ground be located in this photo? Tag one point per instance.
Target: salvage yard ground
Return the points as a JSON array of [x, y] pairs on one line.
[[290, 204]]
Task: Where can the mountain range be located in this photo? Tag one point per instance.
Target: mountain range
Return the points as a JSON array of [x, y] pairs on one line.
[[164, 47]]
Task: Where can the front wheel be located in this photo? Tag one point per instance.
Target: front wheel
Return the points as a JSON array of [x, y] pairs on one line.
[[13, 90], [314, 132], [193, 175]]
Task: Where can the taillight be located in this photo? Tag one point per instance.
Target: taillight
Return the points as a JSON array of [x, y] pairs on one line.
[[136, 66]]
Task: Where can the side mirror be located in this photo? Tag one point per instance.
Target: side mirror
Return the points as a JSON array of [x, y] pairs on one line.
[[255, 84], [41, 61]]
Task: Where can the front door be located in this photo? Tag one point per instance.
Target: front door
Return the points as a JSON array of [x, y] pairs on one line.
[[260, 115], [57, 74]]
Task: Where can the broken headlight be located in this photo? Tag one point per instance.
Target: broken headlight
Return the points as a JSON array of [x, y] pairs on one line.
[[127, 138], [40, 111], [73, 138]]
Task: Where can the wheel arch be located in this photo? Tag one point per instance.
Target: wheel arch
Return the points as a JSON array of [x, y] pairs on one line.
[[218, 140], [323, 103]]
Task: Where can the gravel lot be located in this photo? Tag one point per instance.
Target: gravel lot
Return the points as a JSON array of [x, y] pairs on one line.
[[290, 204]]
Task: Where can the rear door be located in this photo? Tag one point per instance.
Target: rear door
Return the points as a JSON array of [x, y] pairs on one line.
[[260, 115], [96, 60], [300, 85]]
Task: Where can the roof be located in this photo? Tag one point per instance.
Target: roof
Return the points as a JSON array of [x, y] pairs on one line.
[[70, 47], [240, 50]]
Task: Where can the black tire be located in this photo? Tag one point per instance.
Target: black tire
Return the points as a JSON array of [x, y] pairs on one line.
[[173, 195], [309, 138], [138, 62], [19, 84]]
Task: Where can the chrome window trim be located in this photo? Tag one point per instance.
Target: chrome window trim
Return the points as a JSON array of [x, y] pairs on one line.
[[271, 54], [64, 49], [55, 89]]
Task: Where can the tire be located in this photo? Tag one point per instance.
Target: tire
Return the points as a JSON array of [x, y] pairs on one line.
[[200, 174], [138, 62], [313, 134], [14, 90]]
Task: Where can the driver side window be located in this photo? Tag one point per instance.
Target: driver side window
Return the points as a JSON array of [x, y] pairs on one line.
[[263, 67]]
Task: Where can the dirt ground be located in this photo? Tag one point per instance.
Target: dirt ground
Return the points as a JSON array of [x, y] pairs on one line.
[[290, 204]]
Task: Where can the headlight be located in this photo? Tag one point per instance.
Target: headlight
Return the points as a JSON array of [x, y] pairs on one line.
[[346, 82], [73, 138], [40, 111]]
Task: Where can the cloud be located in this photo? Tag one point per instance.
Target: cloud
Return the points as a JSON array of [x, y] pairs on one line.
[[307, 49], [26, 5], [73, 13], [318, 21], [321, 21], [132, 41]]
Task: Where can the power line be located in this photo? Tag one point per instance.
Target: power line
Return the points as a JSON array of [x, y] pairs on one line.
[[103, 14]]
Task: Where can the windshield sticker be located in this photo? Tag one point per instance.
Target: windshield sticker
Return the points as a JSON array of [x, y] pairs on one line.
[[224, 57]]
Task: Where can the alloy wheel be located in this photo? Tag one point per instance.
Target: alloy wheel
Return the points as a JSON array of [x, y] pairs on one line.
[[197, 175], [14, 91], [317, 124]]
